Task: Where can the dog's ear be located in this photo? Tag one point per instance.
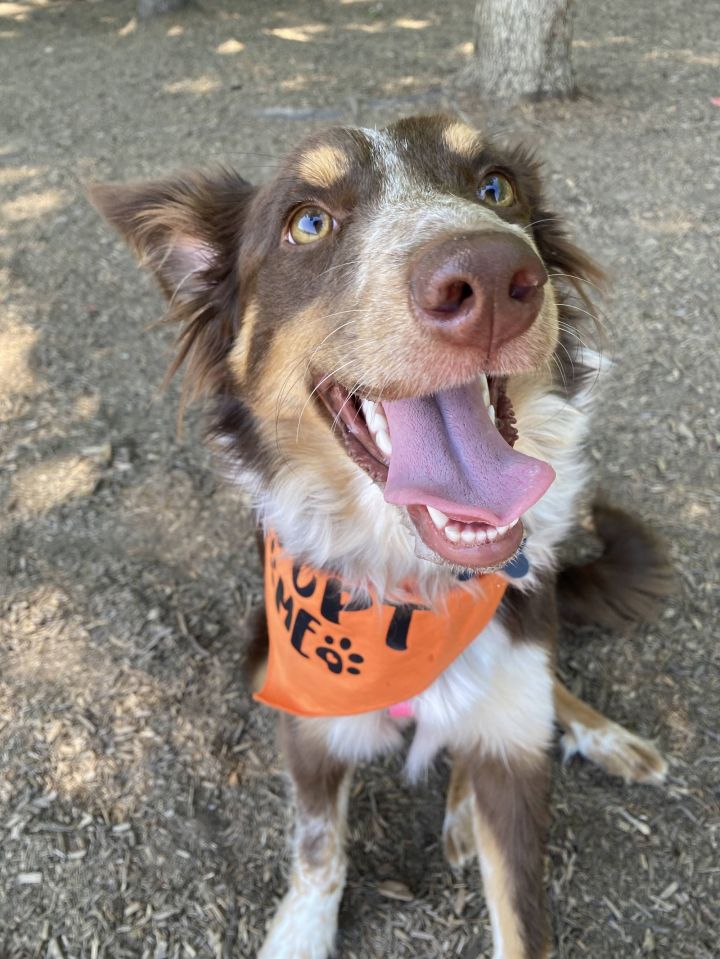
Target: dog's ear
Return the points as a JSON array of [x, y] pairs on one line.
[[185, 229], [188, 231]]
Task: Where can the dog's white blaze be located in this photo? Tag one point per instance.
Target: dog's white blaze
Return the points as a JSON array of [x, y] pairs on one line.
[[386, 239]]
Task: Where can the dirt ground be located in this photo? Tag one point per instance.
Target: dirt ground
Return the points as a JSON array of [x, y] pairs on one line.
[[143, 809]]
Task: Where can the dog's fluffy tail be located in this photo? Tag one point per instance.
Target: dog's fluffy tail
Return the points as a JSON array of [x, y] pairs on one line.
[[628, 583]]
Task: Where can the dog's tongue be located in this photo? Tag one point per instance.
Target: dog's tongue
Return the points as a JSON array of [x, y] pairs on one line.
[[446, 453]]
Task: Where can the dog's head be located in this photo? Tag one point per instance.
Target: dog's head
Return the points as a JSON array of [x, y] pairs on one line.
[[362, 322]]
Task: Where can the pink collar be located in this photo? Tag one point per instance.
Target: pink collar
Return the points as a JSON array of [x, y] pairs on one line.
[[402, 710]]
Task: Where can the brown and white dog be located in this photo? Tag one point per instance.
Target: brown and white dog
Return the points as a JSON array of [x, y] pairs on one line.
[[390, 332]]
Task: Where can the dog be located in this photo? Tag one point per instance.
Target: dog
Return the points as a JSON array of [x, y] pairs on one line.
[[391, 336]]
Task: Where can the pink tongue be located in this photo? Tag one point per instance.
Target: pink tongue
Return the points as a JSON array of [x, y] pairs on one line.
[[446, 453]]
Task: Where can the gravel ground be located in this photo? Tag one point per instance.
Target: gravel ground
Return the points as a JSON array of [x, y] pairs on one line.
[[142, 806]]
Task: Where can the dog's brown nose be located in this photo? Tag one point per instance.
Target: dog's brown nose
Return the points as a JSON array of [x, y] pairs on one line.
[[477, 290]]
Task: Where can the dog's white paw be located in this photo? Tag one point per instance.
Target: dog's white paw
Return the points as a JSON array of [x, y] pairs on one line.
[[304, 927], [458, 836], [617, 751]]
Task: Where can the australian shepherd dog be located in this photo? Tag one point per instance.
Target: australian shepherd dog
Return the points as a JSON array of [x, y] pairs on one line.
[[392, 338]]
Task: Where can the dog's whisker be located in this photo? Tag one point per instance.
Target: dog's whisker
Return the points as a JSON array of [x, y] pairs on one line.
[[348, 399], [287, 384], [598, 322], [355, 261], [559, 366], [546, 219], [328, 376], [572, 332], [578, 279]]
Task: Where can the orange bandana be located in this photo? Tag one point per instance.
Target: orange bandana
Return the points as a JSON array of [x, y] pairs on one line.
[[330, 656]]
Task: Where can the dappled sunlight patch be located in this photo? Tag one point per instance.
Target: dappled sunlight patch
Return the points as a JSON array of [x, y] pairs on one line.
[[697, 510], [16, 346], [197, 85], [80, 763], [31, 206], [175, 31], [464, 49], [667, 226], [15, 11], [229, 47], [602, 42], [21, 11], [46, 485], [99, 755], [42, 620], [130, 27], [103, 729], [304, 34], [299, 82], [377, 27], [405, 83], [86, 407], [409, 23], [16, 174], [685, 56]]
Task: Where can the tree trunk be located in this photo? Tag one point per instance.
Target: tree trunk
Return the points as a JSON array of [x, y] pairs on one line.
[[522, 48], [150, 8]]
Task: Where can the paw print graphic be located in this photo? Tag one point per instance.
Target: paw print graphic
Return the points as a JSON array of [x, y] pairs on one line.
[[334, 660]]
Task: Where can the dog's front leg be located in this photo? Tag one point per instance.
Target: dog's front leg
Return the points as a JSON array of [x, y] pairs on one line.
[[305, 924], [510, 819]]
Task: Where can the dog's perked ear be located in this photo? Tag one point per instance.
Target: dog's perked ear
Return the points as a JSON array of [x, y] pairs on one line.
[[188, 230]]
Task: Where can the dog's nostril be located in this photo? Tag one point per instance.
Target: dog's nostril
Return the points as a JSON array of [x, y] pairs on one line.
[[524, 285], [454, 295]]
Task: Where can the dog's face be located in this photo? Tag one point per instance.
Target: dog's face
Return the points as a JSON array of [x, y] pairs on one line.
[[365, 314]]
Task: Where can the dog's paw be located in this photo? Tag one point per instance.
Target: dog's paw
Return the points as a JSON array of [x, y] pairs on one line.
[[617, 751], [458, 836], [304, 927]]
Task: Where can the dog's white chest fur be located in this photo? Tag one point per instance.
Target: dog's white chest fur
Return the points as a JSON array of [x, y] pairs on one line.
[[497, 696]]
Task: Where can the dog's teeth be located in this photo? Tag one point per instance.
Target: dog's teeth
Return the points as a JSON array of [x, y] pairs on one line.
[[485, 389], [379, 421], [491, 413], [452, 533], [438, 518], [468, 534], [383, 441], [368, 408], [377, 424]]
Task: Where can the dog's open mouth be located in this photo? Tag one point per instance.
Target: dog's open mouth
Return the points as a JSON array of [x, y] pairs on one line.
[[449, 459]]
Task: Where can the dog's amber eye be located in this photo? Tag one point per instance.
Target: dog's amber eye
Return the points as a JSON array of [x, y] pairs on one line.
[[497, 190], [309, 224]]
